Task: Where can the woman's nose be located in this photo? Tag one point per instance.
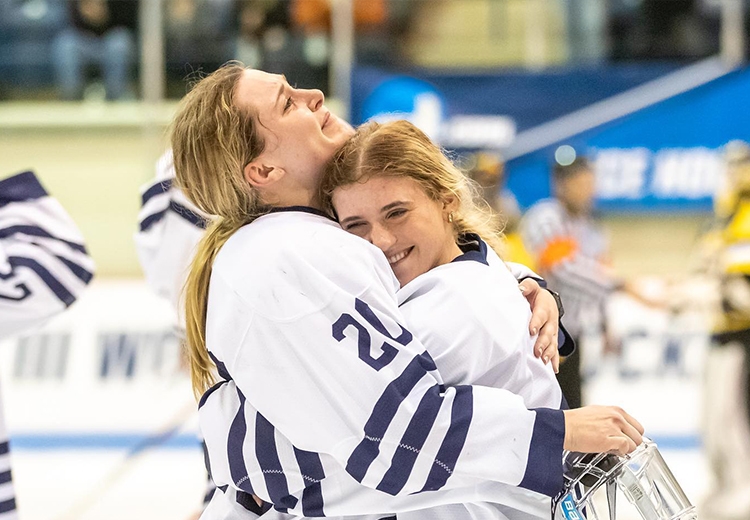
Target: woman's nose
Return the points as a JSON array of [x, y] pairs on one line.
[[382, 238]]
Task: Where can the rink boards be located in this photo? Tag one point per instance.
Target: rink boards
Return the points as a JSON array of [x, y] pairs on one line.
[[102, 417]]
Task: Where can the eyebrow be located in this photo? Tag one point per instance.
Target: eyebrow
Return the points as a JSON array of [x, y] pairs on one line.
[[349, 219], [392, 205]]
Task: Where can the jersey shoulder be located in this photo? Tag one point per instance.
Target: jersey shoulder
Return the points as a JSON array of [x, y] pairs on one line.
[[298, 257]]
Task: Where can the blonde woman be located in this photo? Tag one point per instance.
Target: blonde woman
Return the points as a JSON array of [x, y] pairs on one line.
[[321, 383], [393, 187]]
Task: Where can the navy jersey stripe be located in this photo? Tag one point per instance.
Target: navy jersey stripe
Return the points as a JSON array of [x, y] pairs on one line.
[[473, 248], [24, 186], [461, 414], [156, 189], [152, 219], [270, 465], [62, 293], [179, 210], [5, 477], [236, 458], [83, 274], [425, 359], [312, 500], [220, 367], [208, 392], [312, 473], [207, 461], [7, 506], [380, 418], [543, 469], [37, 231], [208, 496], [4, 447], [189, 215], [412, 441], [362, 308]]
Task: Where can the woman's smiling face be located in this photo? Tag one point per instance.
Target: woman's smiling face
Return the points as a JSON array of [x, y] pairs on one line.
[[397, 216]]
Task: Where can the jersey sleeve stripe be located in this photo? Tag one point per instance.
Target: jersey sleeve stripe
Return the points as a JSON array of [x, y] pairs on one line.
[[221, 368], [412, 442], [208, 393], [62, 293], [312, 472], [152, 219], [157, 189], [4, 448], [273, 473], [461, 415], [21, 187], [189, 215], [5, 477], [312, 500], [544, 466], [83, 274], [178, 209], [382, 414], [235, 456], [8, 505], [36, 231]]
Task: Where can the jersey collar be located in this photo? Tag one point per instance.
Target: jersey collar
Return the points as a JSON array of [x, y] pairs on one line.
[[473, 247], [303, 209]]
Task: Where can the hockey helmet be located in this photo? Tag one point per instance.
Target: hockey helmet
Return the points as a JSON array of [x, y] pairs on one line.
[[594, 480]]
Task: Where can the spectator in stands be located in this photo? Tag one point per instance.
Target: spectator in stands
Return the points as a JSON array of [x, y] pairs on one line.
[[263, 38], [571, 252], [374, 25], [27, 28], [199, 36], [101, 33]]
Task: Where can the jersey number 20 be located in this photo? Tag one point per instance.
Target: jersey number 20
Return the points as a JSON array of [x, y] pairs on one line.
[[364, 339]]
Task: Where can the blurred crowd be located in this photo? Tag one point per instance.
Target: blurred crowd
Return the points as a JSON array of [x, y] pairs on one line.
[[71, 48], [90, 47]]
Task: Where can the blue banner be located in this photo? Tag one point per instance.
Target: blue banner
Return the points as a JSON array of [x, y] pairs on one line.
[[666, 157]]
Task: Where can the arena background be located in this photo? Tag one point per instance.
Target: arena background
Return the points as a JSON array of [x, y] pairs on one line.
[[100, 411]]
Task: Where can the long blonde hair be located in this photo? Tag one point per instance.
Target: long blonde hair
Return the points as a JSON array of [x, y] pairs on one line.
[[212, 141], [400, 149]]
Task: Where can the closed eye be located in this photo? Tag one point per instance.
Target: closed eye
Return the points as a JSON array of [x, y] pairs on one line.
[[288, 104], [354, 225], [396, 213]]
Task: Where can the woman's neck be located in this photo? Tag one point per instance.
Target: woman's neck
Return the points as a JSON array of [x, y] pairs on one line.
[[292, 198]]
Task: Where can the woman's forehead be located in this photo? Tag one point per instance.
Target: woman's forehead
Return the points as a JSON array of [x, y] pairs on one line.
[[259, 89]]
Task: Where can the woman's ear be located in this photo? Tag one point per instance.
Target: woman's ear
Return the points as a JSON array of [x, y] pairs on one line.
[[261, 175], [450, 203]]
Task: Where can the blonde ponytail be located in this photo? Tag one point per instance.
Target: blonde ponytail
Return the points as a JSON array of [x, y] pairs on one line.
[[196, 302], [212, 140]]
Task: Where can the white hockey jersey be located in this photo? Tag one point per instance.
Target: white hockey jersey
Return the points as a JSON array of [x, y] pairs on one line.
[[169, 228], [44, 264], [474, 322], [330, 407]]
